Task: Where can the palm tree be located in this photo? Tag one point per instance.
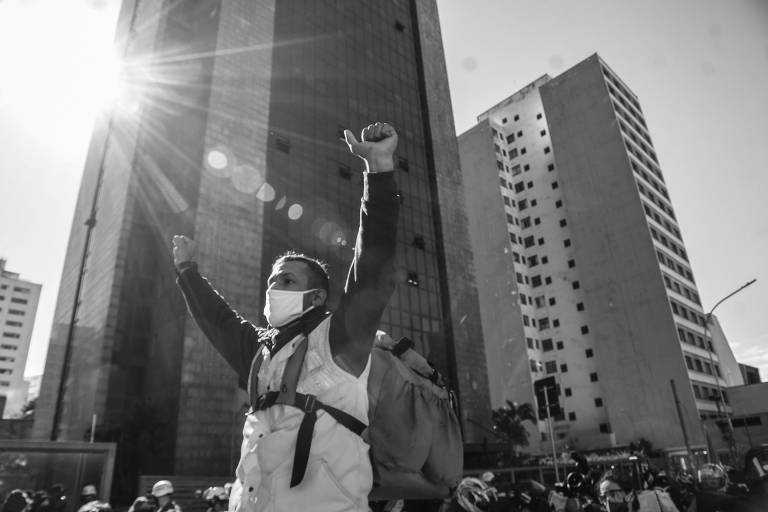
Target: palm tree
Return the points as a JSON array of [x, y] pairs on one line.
[[508, 424]]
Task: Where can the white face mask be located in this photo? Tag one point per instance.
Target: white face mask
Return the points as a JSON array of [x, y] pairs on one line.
[[284, 306]]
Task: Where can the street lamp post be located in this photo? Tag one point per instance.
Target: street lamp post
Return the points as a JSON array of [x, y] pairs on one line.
[[720, 397]]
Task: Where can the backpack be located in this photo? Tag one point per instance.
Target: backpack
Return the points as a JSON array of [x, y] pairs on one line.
[[416, 448]]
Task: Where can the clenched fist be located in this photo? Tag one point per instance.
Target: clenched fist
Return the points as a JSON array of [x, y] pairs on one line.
[[377, 146], [184, 249]]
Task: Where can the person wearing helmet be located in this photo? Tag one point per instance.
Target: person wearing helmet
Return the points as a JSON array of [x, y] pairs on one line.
[[163, 493], [217, 498], [90, 501]]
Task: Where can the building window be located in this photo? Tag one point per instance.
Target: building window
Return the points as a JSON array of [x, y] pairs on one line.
[[558, 204], [547, 280], [547, 150], [551, 301], [567, 242], [538, 116], [536, 221], [526, 167], [543, 323], [529, 184], [418, 242], [554, 185], [541, 241], [563, 368], [605, 428], [571, 416], [546, 345], [543, 132], [11, 335], [550, 367], [568, 392], [563, 223], [559, 345], [536, 281], [551, 167], [598, 402], [589, 353], [580, 306], [529, 341], [575, 285], [13, 323], [510, 138], [593, 377], [17, 300], [345, 172], [584, 329], [519, 134], [517, 118], [523, 151], [571, 263]]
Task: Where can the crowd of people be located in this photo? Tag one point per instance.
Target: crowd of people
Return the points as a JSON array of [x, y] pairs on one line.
[[159, 499], [631, 487]]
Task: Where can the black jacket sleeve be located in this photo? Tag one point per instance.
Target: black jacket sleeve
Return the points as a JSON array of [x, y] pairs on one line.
[[371, 279], [236, 339]]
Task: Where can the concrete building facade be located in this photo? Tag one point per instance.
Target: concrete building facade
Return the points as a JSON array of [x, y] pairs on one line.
[[592, 280], [234, 141], [18, 307]]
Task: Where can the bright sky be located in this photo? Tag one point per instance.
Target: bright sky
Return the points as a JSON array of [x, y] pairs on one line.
[[699, 67]]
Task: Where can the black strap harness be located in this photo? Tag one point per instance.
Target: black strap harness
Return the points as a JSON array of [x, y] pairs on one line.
[[288, 395]]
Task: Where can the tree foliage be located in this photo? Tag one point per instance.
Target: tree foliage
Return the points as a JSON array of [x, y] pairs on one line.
[[508, 423]]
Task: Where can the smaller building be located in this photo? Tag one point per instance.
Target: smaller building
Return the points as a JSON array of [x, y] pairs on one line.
[[749, 418], [18, 307], [750, 374]]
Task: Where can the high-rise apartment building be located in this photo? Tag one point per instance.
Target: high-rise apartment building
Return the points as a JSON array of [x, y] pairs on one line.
[[18, 307], [581, 266], [233, 139]]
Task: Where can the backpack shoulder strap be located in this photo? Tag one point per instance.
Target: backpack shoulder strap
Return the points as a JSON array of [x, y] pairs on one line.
[[287, 395]]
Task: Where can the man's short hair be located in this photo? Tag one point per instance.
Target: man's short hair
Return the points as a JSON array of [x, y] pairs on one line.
[[318, 276]]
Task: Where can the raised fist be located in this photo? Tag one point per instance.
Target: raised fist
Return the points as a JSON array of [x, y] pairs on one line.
[[184, 249], [377, 146]]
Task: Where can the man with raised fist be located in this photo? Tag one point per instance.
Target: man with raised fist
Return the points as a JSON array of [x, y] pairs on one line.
[[307, 371]]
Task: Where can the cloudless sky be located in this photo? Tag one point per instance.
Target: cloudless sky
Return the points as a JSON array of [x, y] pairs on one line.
[[699, 68]]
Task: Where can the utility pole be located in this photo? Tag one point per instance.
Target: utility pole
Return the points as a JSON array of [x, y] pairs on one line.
[[720, 399], [551, 434]]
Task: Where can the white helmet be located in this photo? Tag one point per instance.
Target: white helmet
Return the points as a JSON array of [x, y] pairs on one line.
[[162, 488], [89, 490]]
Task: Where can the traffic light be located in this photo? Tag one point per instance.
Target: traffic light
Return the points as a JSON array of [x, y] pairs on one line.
[[549, 386]]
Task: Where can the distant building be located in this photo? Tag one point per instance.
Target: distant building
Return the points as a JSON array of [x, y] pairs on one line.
[[750, 374], [34, 382], [729, 367], [18, 307], [581, 267]]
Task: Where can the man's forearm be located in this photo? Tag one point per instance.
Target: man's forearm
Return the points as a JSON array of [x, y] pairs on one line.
[[235, 338]]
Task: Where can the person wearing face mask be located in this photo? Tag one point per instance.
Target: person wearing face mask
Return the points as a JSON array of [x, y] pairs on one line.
[[301, 456]]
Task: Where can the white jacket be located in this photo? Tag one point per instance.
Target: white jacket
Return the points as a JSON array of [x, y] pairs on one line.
[[339, 475]]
